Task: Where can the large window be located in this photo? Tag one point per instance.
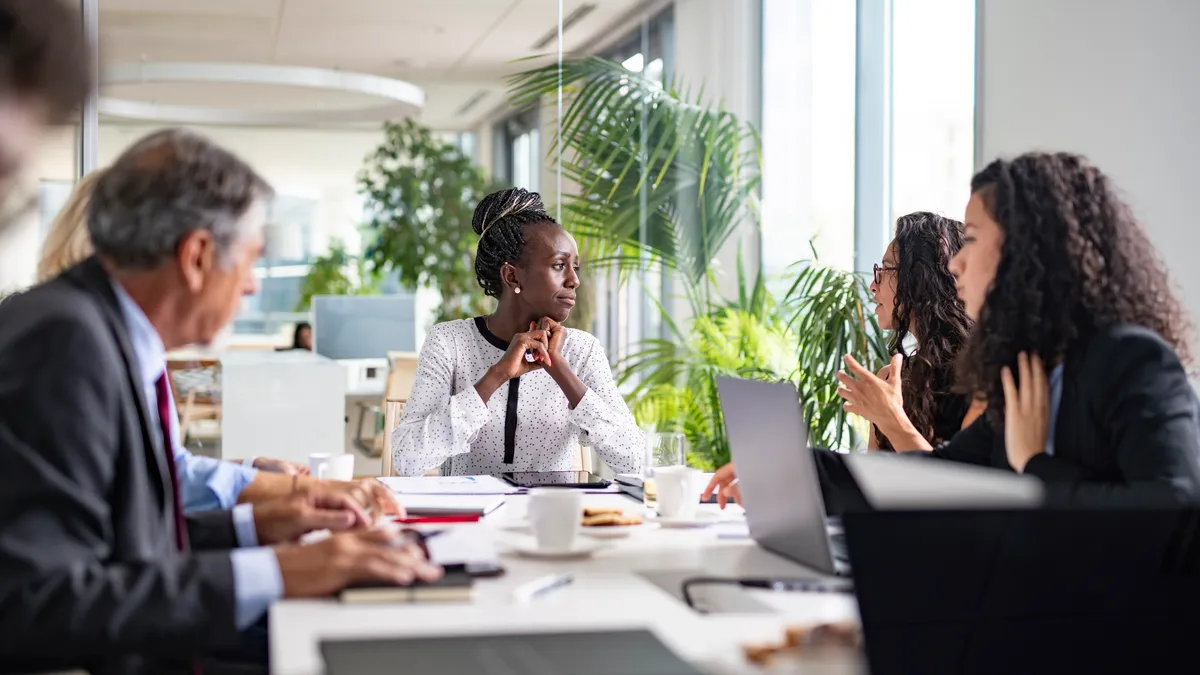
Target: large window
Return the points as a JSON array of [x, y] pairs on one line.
[[628, 313], [808, 132], [933, 105], [519, 159]]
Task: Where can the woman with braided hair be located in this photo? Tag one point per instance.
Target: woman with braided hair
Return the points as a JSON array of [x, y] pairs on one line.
[[515, 390]]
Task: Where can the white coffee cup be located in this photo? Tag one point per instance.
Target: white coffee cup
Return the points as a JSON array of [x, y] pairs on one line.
[[326, 466], [554, 514], [678, 491]]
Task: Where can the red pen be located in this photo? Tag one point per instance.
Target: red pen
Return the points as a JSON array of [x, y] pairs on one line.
[[414, 520]]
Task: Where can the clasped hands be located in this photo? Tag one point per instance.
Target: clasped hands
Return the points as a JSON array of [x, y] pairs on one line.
[[544, 340]]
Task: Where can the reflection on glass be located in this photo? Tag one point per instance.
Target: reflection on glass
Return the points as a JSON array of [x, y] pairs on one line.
[[933, 105]]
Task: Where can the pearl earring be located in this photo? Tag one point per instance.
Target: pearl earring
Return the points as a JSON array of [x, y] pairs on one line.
[[517, 289]]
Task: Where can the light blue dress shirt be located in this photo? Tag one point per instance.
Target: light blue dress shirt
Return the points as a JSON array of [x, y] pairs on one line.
[[257, 581], [1056, 377]]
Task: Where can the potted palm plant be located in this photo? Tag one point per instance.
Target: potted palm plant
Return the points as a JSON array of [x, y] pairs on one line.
[[661, 179]]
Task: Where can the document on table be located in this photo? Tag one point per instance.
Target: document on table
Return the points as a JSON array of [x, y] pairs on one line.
[[448, 485], [463, 546], [451, 505]]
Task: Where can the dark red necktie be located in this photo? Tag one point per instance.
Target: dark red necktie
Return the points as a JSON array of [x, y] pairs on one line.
[[162, 392]]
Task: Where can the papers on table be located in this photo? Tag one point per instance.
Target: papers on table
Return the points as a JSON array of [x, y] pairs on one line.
[[463, 545], [448, 485], [450, 505]]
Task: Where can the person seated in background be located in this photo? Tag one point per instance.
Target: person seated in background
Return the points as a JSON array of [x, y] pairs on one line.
[[302, 337], [207, 483], [515, 390], [911, 403], [99, 568], [1080, 344]]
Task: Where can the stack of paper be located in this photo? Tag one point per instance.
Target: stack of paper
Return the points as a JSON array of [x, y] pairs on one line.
[[448, 485], [450, 505]]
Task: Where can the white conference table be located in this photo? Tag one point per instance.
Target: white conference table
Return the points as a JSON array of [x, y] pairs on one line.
[[612, 589]]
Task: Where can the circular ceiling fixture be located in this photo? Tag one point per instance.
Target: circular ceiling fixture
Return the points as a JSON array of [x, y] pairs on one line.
[[404, 99]]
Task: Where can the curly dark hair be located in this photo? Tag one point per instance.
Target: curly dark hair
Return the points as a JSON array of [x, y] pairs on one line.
[[500, 220], [927, 303], [1074, 259]]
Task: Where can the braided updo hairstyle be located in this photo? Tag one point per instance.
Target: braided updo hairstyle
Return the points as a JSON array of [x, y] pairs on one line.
[[1074, 259], [927, 302], [500, 220]]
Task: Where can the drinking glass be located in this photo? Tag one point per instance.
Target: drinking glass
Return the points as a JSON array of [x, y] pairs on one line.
[[662, 449]]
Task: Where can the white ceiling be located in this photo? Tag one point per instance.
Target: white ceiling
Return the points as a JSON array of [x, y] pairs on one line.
[[451, 48]]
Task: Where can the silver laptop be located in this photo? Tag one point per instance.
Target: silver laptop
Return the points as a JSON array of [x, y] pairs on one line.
[[768, 440]]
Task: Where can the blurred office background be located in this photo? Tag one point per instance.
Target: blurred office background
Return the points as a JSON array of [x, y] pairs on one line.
[[845, 114]]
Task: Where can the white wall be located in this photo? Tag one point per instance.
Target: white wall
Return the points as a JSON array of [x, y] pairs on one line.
[[1116, 80]]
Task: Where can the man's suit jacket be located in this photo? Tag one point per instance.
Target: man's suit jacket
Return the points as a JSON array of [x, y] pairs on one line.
[[1127, 432], [89, 573]]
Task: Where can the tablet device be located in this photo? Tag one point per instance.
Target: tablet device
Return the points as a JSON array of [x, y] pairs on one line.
[[565, 479]]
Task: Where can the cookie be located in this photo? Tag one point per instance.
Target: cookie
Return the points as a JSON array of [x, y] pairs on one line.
[[599, 511], [759, 653], [603, 520]]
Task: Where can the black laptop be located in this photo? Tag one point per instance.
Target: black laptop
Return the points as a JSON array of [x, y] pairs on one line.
[[1030, 591], [580, 653]]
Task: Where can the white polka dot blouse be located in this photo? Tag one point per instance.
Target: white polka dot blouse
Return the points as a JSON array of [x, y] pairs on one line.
[[525, 426]]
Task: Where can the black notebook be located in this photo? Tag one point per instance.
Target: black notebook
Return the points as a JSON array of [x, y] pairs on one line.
[[456, 586]]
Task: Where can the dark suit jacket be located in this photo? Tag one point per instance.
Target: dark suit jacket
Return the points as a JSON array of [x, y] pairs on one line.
[[1127, 434], [89, 573]]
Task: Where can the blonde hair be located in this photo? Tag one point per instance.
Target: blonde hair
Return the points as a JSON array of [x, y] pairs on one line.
[[68, 242]]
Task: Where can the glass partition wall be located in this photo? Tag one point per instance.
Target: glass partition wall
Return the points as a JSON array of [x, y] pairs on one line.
[[704, 153]]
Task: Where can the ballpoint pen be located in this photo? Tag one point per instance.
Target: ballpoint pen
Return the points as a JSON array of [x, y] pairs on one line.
[[539, 587]]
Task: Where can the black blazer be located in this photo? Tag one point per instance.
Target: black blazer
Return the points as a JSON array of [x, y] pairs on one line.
[[1127, 431], [89, 574]]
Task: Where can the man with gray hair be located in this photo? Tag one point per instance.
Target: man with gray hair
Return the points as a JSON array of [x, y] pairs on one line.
[[99, 567]]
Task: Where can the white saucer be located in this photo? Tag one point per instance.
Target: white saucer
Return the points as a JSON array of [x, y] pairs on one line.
[[581, 549], [700, 519]]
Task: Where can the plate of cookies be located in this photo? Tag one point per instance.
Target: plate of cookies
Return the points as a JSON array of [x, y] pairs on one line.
[[609, 523]]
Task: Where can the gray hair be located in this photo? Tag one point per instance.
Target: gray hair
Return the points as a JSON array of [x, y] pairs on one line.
[[164, 187]]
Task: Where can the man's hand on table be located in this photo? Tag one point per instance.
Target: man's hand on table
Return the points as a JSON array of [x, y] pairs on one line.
[[381, 555], [317, 508], [370, 494]]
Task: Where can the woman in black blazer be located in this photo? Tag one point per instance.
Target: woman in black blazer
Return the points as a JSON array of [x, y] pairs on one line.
[[1079, 347]]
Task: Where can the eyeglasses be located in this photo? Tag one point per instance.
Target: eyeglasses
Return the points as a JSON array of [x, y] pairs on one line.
[[879, 270]]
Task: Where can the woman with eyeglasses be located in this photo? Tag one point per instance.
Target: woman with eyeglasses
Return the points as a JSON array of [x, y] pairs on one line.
[[910, 404]]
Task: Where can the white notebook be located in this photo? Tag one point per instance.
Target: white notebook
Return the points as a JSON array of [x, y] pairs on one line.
[[448, 485], [450, 505]]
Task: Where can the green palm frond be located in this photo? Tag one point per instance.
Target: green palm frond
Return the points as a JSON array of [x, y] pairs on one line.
[[649, 160]]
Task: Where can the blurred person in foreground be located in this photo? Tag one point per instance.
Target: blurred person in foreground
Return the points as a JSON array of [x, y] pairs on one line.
[[45, 76], [99, 567]]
